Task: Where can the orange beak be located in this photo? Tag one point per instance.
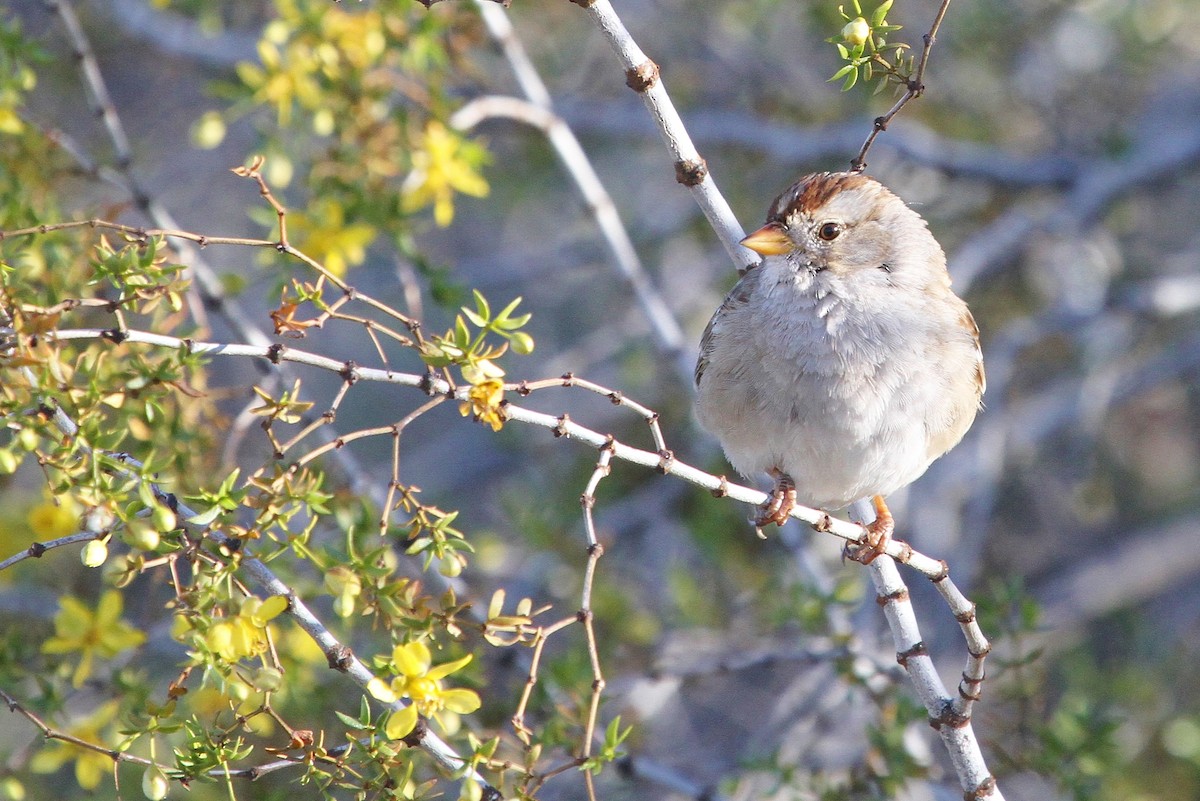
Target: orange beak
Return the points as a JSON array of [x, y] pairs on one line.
[[770, 240]]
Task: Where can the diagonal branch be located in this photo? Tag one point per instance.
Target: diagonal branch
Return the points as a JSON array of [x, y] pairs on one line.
[[642, 76], [539, 112]]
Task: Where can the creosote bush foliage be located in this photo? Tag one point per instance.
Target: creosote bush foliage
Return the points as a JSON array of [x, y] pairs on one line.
[[228, 580]]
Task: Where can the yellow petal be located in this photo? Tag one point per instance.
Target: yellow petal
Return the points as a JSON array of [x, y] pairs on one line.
[[441, 671], [461, 701], [272, 607], [401, 723], [109, 609], [90, 770], [412, 659], [379, 688], [220, 639]]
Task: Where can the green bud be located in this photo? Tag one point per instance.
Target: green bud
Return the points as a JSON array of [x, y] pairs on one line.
[[856, 31], [522, 343], [141, 535], [12, 789], [163, 518], [268, 679], [208, 131], [95, 553], [155, 783]]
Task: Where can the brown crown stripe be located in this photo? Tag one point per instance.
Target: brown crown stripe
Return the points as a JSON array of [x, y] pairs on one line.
[[813, 191]]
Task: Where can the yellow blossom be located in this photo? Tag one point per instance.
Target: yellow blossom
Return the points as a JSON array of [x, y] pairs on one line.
[[322, 233], [100, 633], [484, 401], [245, 634], [53, 518], [90, 766], [233, 699], [421, 682], [358, 37], [284, 78], [443, 163]]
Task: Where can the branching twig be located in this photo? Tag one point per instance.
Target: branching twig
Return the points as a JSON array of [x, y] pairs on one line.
[[914, 88], [338, 655], [594, 551], [950, 717], [562, 425]]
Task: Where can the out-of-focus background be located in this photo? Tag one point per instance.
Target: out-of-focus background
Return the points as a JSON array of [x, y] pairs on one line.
[[1056, 156]]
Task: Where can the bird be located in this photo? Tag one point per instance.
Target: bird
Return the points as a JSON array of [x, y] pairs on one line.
[[842, 364]]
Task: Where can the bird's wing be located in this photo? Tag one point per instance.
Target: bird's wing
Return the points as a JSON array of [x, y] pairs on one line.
[[737, 297]]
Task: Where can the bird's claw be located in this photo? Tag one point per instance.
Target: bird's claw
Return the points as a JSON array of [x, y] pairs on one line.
[[778, 507], [875, 539]]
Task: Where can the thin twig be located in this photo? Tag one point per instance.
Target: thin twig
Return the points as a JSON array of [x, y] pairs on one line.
[[339, 656], [642, 75], [539, 112], [954, 728], [914, 88], [37, 549]]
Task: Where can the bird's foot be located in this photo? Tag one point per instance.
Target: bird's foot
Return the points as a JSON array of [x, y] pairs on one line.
[[778, 507], [874, 542]]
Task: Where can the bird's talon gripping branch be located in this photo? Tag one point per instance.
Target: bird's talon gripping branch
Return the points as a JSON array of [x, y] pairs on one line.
[[874, 541], [778, 507]]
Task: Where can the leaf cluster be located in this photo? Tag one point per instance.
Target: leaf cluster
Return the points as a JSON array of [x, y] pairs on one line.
[[864, 47]]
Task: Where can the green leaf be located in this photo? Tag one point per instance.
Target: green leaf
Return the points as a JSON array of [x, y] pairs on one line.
[[205, 518], [880, 13], [851, 79], [481, 305], [842, 72], [503, 315], [477, 320], [462, 336]]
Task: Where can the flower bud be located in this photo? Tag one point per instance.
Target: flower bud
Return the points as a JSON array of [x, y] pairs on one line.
[[94, 553], [856, 32], [155, 783], [141, 535], [268, 679]]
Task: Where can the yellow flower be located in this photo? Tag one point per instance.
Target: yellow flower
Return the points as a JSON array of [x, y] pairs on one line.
[[90, 766], [100, 633], [358, 37], [245, 634], [209, 703], [53, 518], [484, 401], [421, 682], [323, 234], [443, 163], [284, 78]]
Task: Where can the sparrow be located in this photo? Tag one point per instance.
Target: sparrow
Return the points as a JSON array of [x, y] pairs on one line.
[[842, 365]]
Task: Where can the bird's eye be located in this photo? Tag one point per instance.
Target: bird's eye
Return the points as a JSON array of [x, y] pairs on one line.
[[829, 231]]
